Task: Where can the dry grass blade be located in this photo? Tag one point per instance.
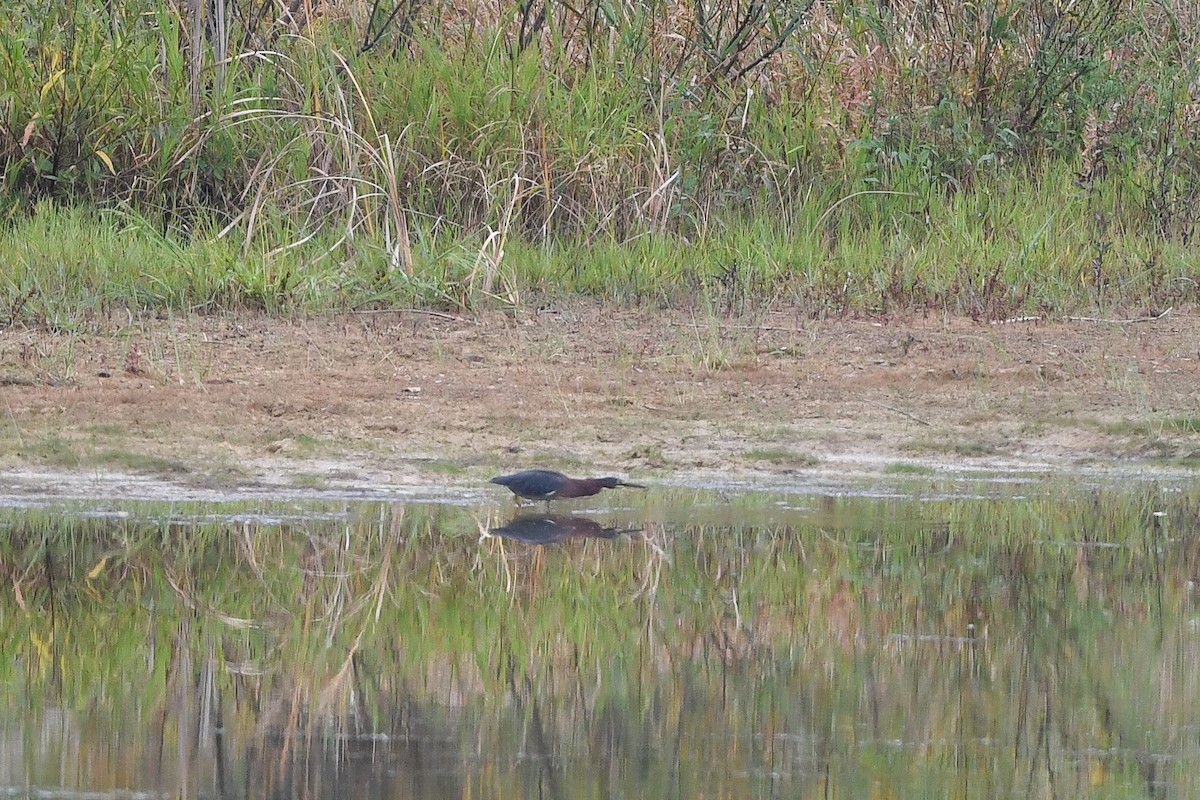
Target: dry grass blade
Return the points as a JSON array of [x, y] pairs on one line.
[[491, 254]]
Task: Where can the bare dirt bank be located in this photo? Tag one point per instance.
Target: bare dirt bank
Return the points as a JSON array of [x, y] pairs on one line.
[[407, 402]]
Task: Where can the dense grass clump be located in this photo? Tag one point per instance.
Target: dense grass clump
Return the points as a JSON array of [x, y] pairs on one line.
[[989, 159]]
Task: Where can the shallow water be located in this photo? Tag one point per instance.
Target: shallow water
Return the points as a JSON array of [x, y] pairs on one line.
[[1003, 641]]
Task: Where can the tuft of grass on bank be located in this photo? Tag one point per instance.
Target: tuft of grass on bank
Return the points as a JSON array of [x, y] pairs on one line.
[[1001, 249], [782, 457], [130, 461], [908, 468]]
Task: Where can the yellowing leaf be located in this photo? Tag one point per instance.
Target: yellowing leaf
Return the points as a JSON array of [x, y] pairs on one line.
[[42, 646], [96, 570], [103, 156], [50, 84]]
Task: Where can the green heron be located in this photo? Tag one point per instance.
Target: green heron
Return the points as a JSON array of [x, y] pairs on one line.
[[545, 484]]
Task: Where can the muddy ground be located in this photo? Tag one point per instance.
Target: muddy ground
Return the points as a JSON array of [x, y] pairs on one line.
[[399, 402]]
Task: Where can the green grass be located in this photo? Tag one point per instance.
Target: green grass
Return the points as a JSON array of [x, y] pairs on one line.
[[782, 457], [1151, 428], [1182, 424], [462, 173], [56, 451], [65, 266], [1188, 460], [290, 443], [138, 462], [52, 451], [651, 454], [308, 480], [1124, 427], [223, 475], [906, 468], [965, 448]]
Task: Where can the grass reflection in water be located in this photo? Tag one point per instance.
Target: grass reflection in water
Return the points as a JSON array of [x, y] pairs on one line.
[[952, 648]]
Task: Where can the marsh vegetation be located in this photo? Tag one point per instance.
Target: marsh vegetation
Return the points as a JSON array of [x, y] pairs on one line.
[[990, 159]]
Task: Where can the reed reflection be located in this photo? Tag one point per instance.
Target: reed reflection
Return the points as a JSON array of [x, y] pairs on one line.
[[972, 649]]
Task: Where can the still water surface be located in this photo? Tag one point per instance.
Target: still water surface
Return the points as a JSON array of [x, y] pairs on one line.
[[1039, 644]]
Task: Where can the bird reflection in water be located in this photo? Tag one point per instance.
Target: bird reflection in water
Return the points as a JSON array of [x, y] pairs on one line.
[[542, 529]]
